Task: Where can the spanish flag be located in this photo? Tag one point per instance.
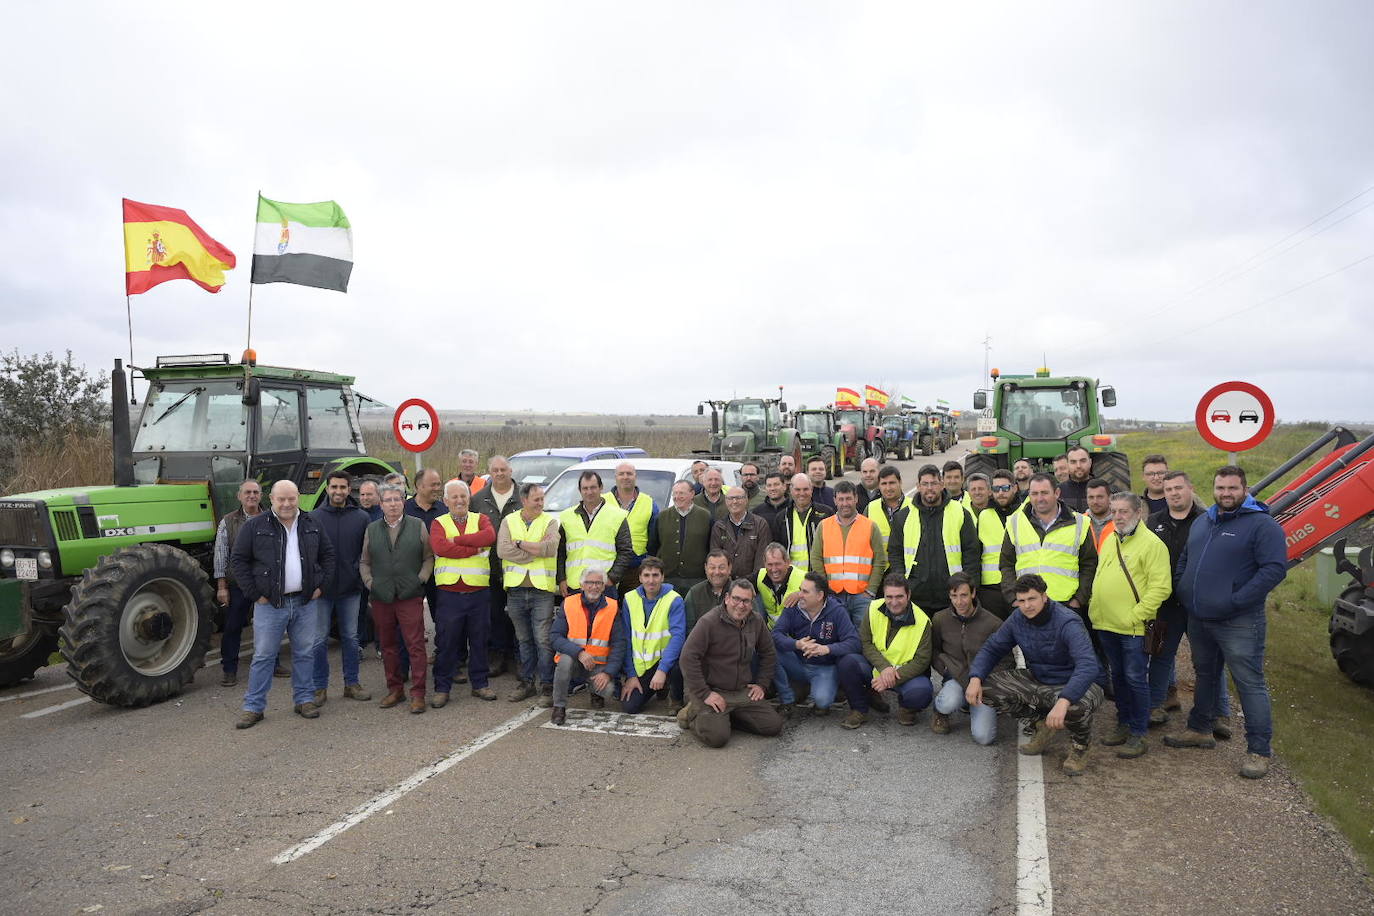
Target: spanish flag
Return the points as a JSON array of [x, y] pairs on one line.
[[876, 397], [846, 397], [163, 243]]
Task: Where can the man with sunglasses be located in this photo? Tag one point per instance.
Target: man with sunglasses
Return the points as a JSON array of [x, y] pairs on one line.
[[992, 529]]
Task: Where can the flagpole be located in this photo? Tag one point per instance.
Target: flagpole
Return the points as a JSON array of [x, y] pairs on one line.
[[248, 345], [128, 303]]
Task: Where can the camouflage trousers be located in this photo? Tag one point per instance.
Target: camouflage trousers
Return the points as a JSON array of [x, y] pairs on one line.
[[1016, 693]]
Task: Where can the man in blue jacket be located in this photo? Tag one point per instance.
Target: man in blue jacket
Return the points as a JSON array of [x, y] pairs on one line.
[[344, 525], [655, 624], [810, 637], [1234, 558], [280, 560], [1057, 686]]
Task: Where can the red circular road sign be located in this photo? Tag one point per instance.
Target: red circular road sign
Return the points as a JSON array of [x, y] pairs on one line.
[[415, 425], [1235, 416]]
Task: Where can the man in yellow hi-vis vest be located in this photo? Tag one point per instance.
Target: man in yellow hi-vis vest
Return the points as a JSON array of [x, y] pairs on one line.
[[461, 541], [896, 639], [1049, 539], [593, 532], [527, 544], [655, 622]]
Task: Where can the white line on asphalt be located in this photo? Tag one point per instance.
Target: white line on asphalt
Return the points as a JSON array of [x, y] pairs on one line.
[[34, 693], [1034, 893], [58, 708], [409, 784]]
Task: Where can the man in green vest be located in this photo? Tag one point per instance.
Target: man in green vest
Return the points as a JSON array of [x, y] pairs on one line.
[[992, 531], [896, 640], [640, 514], [592, 532], [461, 541], [527, 545], [931, 540], [655, 621], [778, 584], [395, 566]]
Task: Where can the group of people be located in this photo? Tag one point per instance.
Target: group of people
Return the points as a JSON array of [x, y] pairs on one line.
[[742, 606]]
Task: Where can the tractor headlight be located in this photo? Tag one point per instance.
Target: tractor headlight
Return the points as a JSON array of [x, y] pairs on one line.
[[45, 559], [7, 558]]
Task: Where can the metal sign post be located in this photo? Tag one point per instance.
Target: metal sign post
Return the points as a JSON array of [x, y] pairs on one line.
[[1234, 417]]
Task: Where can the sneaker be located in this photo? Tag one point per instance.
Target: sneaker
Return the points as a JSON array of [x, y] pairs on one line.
[[1256, 766], [1039, 740], [1132, 748], [1221, 728], [248, 719], [1076, 761], [906, 716], [356, 692], [321, 697], [484, 693], [523, 691], [939, 722], [1117, 736], [1158, 717], [308, 711], [1171, 702], [229, 680], [1190, 738], [854, 719]]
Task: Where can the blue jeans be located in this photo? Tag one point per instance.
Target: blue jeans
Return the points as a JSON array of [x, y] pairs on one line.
[[1130, 679], [823, 678], [296, 617], [531, 612], [856, 605], [346, 607], [982, 719], [1162, 670], [640, 698], [460, 622], [1237, 643], [856, 676]]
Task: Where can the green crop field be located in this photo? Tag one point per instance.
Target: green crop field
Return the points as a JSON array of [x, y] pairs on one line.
[[1323, 723]]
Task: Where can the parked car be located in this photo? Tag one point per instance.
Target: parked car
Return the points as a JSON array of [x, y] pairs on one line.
[[544, 464], [656, 477]]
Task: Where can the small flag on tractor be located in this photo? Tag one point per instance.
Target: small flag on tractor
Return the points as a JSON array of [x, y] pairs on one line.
[[942, 402], [908, 402], [846, 397], [163, 243], [875, 397], [305, 244]]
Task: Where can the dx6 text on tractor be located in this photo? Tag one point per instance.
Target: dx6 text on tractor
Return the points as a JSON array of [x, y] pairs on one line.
[[118, 576], [1321, 506], [751, 430], [1038, 417], [861, 430], [820, 438]]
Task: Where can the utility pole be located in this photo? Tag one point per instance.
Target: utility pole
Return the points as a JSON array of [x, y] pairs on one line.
[[987, 350]]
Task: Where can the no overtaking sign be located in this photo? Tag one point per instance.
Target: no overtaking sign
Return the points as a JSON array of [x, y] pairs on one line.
[[1235, 416], [415, 425]]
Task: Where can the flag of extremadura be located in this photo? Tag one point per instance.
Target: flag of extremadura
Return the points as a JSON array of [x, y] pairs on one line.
[[306, 244]]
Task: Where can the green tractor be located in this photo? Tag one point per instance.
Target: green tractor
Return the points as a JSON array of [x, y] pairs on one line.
[[821, 438], [751, 430], [118, 576], [1038, 417]]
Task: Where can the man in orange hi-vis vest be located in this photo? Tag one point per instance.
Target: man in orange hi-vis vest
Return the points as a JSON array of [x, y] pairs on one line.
[[848, 548]]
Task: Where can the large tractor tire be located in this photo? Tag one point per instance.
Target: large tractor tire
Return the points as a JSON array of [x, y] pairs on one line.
[[1115, 468], [978, 463], [24, 654], [928, 446], [860, 453], [138, 625], [1354, 655], [832, 465]]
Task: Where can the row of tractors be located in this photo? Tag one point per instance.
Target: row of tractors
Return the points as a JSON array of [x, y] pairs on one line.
[[762, 430]]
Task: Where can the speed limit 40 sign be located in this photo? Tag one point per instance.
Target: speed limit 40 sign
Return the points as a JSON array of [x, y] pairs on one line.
[[415, 425]]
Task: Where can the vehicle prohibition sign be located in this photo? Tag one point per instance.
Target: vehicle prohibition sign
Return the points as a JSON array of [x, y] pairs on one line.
[[415, 425], [1235, 416]]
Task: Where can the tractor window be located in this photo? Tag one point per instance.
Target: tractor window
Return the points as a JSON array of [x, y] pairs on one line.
[[817, 424], [855, 417], [200, 416], [747, 415], [279, 420], [1044, 413], [330, 418]]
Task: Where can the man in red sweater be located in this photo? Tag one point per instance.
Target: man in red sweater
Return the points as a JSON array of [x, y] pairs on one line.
[[461, 541]]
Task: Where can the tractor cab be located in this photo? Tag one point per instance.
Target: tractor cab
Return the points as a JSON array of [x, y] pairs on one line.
[[207, 419]]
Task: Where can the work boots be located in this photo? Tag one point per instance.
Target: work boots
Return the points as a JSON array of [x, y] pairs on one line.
[[939, 723], [1076, 761], [356, 692], [1117, 736], [523, 691], [1190, 738], [545, 696], [1221, 728], [392, 699], [1038, 741], [1256, 766], [1133, 747], [321, 697]]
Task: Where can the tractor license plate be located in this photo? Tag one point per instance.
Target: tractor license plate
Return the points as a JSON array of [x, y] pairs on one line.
[[25, 569], [987, 424]]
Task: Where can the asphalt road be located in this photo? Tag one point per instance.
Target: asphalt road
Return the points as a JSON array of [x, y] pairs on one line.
[[170, 810]]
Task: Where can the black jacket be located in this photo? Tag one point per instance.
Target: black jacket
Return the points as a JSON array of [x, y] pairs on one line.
[[781, 525], [928, 576], [344, 528], [1174, 533], [260, 552], [484, 501]]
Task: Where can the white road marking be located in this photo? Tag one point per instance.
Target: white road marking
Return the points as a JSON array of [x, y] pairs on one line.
[[58, 708], [409, 784], [601, 722], [1034, 892], [34, 693]]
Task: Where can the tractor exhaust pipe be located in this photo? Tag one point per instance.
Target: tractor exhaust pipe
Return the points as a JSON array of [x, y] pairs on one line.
[[119, 414]]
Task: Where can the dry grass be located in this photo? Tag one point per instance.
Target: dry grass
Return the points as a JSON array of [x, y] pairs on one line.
[[70, 461]]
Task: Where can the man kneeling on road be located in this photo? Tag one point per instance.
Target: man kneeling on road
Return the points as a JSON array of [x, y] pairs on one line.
[[589, 637], [655, 622], [810, 637], [958, 633], [895, 635], [722, 692], [1056, 686]]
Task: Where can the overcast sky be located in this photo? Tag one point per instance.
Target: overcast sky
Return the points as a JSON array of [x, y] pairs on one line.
[[630, 206]]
